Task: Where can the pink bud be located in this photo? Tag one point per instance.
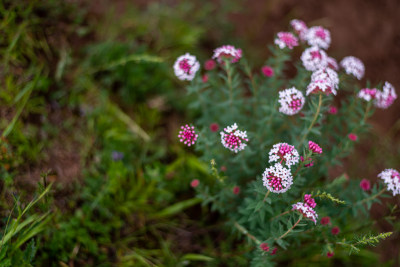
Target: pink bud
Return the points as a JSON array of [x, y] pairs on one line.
[[267, 71], [365, 185], [352, 137], [195, 183], [335, 230], [325, 220], [209, 64], [214, 127], [236, 190]]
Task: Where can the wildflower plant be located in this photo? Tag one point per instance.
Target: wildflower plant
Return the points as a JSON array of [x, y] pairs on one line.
[[286, 134]]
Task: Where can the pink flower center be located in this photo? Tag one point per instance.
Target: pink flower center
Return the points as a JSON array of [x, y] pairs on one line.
[[321, 34], [185, 66], [233, 141], [315, 54], [274, 182], [295, 104], [396, 175], [288, 39]]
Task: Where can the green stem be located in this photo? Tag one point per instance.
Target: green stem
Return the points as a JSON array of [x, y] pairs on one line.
[[313, 121], [291, 228], [371, 197], [283, 213], [266, 195], [245, 232]]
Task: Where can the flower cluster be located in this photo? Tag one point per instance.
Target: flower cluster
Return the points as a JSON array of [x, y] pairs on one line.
[[188, 135], [318, 36], [291, 101], [391, 178], [234, 139], [286, 39], [314, 58], [300, 28], [314, 147], [382, 99], [307, 208], [186, 66], [277, 178], [227, 52], [284, 152], [353, 66]]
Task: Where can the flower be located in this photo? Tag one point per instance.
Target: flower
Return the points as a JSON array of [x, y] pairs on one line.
[[284, 152], [214, 127], [309, 201], [326, 74], [306, 210], [335, 230], [264, 246], [274, 251], [286, 39], [314, 58], [353, 66], [223, 168], [325, 220], [277, 178], [234, 139], [291, 101], [300, 28], [332, 63], [209, 64], [391, 177], [365, 185], [267, 71], [116, 155], [386, 98], [318, 36], [332, 110], [188, 135], [186, 66], [195, 183], [310, 164], [367, 94], [321, 86], [352, 137], [236, 190], [330, 254], [227, 52], [314, 147]]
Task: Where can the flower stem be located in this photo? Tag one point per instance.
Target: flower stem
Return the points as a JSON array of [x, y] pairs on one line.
[[291, 228], [313, 121], [371, 197], [266, 195], [245, 232], [283, 213]]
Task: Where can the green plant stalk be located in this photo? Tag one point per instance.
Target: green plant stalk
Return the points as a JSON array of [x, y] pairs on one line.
[[371, 197], [245, 232], [313, 121], [291, 228]]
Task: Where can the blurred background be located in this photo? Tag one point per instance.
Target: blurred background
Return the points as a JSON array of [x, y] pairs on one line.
[[89, 90]]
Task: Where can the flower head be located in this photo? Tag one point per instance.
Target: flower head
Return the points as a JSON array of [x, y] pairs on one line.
[[277, 178], [326, 74], [306, 210], [194, 183], [330, 254], [291, 101], [325, 220], [274, 251], [284, 152], [335, 230], [391, 178], [209, 64], [236, 190], [214, 127], [267, 71], [186, 66], [321, 86], [300, 28], [365, 185], [385, 98], [314, 58], [332, 110], [318, 36], [332, 63], [227, 52], [187, 135], [234, 139], [286, 39], [309, 201], [367, 94], [314, 147], [264, 246], [353, 66], [352, 136]]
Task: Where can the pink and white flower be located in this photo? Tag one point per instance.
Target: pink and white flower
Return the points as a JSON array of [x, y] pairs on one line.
[[367, 94], [309, 201], [283, 152], [187, 135], [300, 28], [391, 178], [318, 36], [314, 58], [227, 52], [234, 139], [353, 66], [286, 39], [277, 178], [332, 63], [385, 98], [306, 210], [321, 86], [186, 66], [291, 101], [314, 147], [327, 73]]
